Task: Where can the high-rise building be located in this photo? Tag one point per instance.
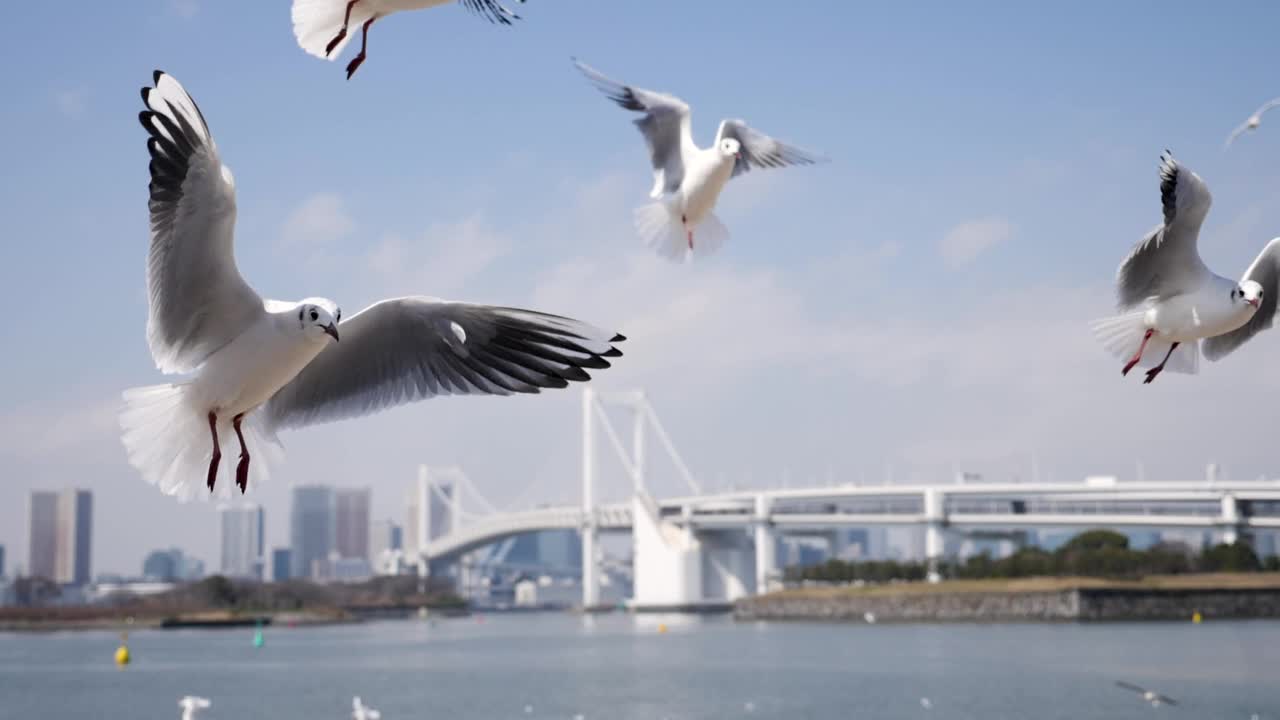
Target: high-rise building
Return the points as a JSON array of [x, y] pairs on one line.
[[311, 530], [242, 536], [351, 522], [163, 565], [387, 536], [281, 565], [43, 535], [73, 529]]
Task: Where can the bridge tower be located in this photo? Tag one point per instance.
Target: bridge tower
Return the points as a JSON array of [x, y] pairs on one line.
[[644, 420]]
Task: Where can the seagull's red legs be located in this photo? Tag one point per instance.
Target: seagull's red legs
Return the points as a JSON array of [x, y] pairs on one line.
[[328, 49], [688, 233], [242, 467], [1153, 372], [217, 452], [364, 42], [1138, 355]]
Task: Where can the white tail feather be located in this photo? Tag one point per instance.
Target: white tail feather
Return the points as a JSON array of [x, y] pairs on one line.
[[1121, 335], [663, 232], [167, 440], [316, 22]]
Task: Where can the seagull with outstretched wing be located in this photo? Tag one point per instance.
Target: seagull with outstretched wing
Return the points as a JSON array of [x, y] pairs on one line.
[[255, 366], [1170, 300], [687, 179]]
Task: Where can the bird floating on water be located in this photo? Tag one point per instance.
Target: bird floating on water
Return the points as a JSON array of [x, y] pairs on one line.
[[1170, 300], [687, 180], [191, 705], [324, 27], [1252, 123], [360, 711], [256, 366], [1151, 696]]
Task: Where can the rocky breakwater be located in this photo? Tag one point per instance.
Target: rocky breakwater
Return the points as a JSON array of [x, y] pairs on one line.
[[1030, 600]]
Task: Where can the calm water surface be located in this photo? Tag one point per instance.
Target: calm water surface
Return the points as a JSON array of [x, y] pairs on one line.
[[622, 667]]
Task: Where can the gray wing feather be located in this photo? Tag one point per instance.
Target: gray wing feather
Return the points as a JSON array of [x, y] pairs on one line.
[[197, 299], [491, 10], [1265, 270], [760, 150], [407, 349], [1167, 261], [664, 125]]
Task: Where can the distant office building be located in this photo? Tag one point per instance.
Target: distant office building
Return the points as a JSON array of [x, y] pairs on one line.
[[311, 530], [43, 535], [351, 523], [281, 565], [242, 540], [74, 537], [164, 565], [387, 535]]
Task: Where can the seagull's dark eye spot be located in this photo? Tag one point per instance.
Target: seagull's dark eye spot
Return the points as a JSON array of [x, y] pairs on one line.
[[315, 315]]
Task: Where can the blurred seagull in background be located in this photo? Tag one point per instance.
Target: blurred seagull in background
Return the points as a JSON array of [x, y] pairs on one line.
[[1155, 698], [687, 180], [1252, 123]]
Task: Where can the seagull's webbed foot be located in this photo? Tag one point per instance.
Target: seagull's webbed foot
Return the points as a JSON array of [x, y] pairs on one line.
[[1138, 355], [342, 34], [358, 60], [242, 467], [1153, 372], [346, 20], [217, 452]]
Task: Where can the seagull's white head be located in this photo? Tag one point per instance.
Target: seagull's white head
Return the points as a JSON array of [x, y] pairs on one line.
[[1249, 292], [318, 317], [730, 148]]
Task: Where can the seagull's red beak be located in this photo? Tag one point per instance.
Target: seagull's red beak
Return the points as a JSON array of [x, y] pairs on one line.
[[1254, 302], [332, 331]]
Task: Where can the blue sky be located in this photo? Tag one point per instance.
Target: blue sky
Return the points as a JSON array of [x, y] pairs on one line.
[[916, 306]]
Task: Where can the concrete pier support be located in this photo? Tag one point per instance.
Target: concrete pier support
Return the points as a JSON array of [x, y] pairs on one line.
[[766, 546], [1230, 520], [590, 573], [934, 539]]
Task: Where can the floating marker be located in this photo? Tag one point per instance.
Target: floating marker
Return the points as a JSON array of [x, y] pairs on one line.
[[122, 652]]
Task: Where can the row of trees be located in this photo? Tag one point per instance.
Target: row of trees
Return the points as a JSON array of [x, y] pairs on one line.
[[1094, 553]]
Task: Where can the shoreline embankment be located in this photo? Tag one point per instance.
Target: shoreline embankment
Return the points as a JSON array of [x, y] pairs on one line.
[[1168, 598]]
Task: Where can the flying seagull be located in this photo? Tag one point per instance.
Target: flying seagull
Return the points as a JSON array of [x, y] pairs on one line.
[[191, 705], [1155, 698], [360, 711], [321, 26], [1169, 299], [256, 366], [687, 180], [1252, 123]]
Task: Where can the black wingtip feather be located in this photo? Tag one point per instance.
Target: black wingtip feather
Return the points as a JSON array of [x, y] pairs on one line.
[[618, 338], [156, 75], [611, 352]]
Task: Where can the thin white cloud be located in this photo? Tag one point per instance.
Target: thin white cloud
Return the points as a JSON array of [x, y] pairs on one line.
[[443, 260], [321, 219], [965, 242], [185, 9], [72, 102]]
